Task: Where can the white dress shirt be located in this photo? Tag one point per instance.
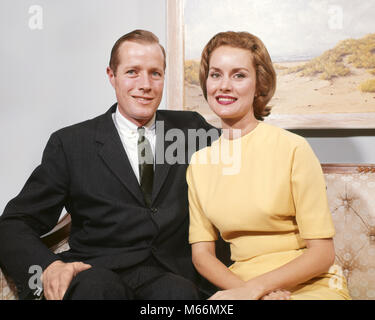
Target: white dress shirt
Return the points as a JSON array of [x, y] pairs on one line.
[[129, 138]]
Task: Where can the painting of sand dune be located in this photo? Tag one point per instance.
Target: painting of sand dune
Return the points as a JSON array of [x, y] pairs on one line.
[[325, 71]]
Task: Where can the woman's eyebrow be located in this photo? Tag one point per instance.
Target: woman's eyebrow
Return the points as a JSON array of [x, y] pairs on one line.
[[239, 69], [232, 70]]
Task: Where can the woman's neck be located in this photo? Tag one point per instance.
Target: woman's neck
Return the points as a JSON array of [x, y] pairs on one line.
[[234, 129]]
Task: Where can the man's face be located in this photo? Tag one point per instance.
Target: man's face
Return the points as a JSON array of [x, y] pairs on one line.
[[139, 80]]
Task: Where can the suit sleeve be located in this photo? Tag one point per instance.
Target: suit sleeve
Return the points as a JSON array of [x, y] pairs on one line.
[[204, 124], [32, 213]]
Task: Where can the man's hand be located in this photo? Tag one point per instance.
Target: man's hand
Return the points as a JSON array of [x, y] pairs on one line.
[[57, 277]]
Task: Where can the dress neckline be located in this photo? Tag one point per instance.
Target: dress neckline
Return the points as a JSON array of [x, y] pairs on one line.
[[249, 134]]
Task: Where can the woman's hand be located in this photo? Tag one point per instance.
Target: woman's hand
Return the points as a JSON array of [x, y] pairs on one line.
[[245, 293], [241, 293], [277, 295]]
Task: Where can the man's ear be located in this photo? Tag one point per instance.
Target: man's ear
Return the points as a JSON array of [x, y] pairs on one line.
[[111, 76]]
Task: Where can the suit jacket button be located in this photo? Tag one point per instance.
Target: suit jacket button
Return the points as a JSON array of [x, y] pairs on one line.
[[154, 210]]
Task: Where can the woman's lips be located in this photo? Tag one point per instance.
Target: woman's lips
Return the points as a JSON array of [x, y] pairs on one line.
[[225, 100]]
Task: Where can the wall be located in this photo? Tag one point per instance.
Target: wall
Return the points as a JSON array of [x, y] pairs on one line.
[[55, 76], [342, 146]]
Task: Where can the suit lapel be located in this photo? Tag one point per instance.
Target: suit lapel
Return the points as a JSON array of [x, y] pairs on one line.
[[161, 165], [113, 154]]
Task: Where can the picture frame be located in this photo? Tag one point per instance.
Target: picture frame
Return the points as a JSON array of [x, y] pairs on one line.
[[305, 99]]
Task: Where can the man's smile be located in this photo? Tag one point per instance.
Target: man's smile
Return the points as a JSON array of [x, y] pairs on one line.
[[143, 99]]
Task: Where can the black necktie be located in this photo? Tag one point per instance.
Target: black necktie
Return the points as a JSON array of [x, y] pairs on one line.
[[145, 165]]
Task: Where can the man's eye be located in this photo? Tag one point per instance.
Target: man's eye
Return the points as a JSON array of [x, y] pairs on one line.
[[131, 72], [156, 74]]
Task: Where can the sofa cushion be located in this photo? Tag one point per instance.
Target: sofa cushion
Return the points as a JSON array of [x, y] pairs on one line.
[[351, 197]]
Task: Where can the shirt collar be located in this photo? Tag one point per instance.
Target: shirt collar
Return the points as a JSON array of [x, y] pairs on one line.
[[127, 126]]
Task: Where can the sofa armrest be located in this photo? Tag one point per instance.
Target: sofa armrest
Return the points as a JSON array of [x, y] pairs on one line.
[[59, 234]]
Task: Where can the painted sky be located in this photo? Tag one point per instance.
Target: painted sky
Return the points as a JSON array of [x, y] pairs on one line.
[[290, 29]]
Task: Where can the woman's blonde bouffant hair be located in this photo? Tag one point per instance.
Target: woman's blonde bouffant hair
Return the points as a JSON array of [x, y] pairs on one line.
[[265, 73]]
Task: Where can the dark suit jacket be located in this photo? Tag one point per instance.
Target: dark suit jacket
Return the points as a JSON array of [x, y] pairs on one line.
[[86, 170]]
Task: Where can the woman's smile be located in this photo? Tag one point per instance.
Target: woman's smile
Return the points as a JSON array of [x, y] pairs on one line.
[[225, 100]]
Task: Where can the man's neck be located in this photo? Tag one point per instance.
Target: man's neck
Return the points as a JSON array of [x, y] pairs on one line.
[[133, 124]]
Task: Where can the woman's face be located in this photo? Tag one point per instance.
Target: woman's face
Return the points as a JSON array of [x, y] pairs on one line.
[[231, 83]]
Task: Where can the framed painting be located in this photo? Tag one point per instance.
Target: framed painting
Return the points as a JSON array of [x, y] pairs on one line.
[[323, 53]]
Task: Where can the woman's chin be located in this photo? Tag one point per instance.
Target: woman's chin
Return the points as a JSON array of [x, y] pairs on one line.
[[224, 114]]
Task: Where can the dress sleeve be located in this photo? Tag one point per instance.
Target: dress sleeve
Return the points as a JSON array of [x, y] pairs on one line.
[[201, 229], [309, 193]]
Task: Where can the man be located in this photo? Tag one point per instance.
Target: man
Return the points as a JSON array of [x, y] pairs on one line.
[[129, 233]]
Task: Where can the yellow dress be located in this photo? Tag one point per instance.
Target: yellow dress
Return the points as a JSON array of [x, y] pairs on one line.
[[265, 193]]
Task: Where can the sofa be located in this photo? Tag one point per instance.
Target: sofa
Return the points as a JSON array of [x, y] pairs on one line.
[[351, 197]]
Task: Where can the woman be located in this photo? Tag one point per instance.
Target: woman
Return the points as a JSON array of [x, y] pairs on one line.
[[273, 211]]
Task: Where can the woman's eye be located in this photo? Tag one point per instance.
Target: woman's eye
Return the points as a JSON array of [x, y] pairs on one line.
[[214, 75], [239, 76]]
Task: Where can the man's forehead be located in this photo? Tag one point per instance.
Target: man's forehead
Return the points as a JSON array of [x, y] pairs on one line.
[[130, 50], [140, 47]]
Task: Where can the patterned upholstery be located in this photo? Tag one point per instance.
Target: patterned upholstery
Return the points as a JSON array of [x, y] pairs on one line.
[[351, 196], [7, 289]]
